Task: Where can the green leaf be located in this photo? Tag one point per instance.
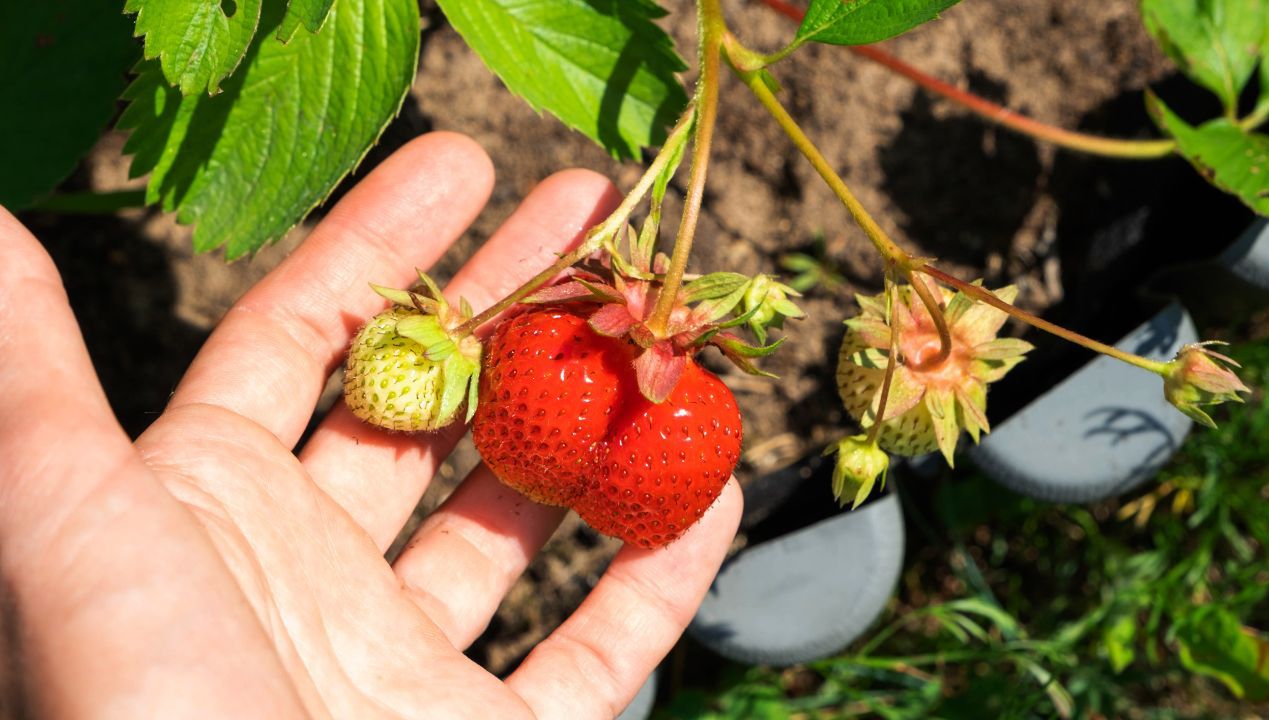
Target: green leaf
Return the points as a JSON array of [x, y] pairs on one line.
[[1214, 42], [62, 65], [1231, 158], [198, 42], [601, 66], [1214, 643], [309, 13], [247, 165], [1118, 639], [859, 22]]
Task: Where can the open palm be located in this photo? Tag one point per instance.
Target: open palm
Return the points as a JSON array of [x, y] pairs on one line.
[[211, 571]]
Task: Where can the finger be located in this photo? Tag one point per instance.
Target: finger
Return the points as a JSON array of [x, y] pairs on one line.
[[52, 396], [592, 666], [465, 556], [379, 476], [270, 357]]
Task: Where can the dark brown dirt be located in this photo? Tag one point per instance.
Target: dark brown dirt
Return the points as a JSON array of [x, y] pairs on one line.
[[941, 182]]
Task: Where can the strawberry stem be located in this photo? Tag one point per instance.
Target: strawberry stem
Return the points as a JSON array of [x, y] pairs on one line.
[[712, 30], [753, 79], [596, 236], [984, 295], [892, 297], [935, 309], [893, 254]]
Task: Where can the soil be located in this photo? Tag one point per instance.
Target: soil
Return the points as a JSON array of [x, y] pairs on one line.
[[985, 202]]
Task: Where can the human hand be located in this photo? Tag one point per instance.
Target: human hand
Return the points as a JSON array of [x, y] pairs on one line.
[[211, 569]]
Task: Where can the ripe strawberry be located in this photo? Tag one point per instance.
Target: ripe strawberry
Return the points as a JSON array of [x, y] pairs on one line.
[[562, 419], [404, 371], [664, 464], [927, 406], [548, 391]]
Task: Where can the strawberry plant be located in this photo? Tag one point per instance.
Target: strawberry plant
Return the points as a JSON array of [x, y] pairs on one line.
[[245, 115]]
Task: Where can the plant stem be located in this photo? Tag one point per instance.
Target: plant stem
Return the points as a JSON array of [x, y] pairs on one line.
[[712, 30], [892, 253], [1258, 115], [595, 236], [892, 361], [935, 309], [983, 295], [90, 203], [992, 112]]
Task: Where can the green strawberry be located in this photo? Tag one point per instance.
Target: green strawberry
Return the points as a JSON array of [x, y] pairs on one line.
[[928, 406], [406, 371]]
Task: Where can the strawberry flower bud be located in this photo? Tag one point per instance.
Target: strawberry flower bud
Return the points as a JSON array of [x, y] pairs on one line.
[[766, 303], [1198, 376], [859, 463]]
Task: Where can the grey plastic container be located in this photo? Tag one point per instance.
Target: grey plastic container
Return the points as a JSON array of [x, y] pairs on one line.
[[1101, 432]]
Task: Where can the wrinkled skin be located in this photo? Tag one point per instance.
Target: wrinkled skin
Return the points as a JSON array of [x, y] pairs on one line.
[[215, 569]]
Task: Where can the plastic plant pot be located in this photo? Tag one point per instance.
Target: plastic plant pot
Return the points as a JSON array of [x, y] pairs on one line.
[[1248, 257], [809, 593], [1101, 432]]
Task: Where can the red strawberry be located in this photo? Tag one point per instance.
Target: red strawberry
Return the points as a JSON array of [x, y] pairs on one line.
[[664, 464], [547, 393], [561, 419]]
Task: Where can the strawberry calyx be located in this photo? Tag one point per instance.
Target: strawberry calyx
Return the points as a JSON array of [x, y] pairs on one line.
[[432, 326], [705, 308], [942, 393]]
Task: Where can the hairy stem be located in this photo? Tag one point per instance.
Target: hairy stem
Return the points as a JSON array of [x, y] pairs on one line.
[[992, 112], [712, 30], [935, 309], [894, 255], [983, 295], [892, 361], [595, 236]]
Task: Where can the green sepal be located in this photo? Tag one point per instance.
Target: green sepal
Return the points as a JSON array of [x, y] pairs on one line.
[[739, 353], [872, 330], [1002, 349], [429, 283], [942, 406], [872, 358], [601, 292], [473, 392], [426, 330], [959, 304], [872, 304], [641, 265], [676, 158], [741, 319], [404, 298], [905, 393], [717, 309], [459, 373], [980, 323], [989, 371], [744, 349], [972, 405], [714, 285]]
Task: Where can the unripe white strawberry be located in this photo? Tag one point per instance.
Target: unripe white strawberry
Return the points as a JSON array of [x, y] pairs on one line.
[[928, 405], [405, 369]]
